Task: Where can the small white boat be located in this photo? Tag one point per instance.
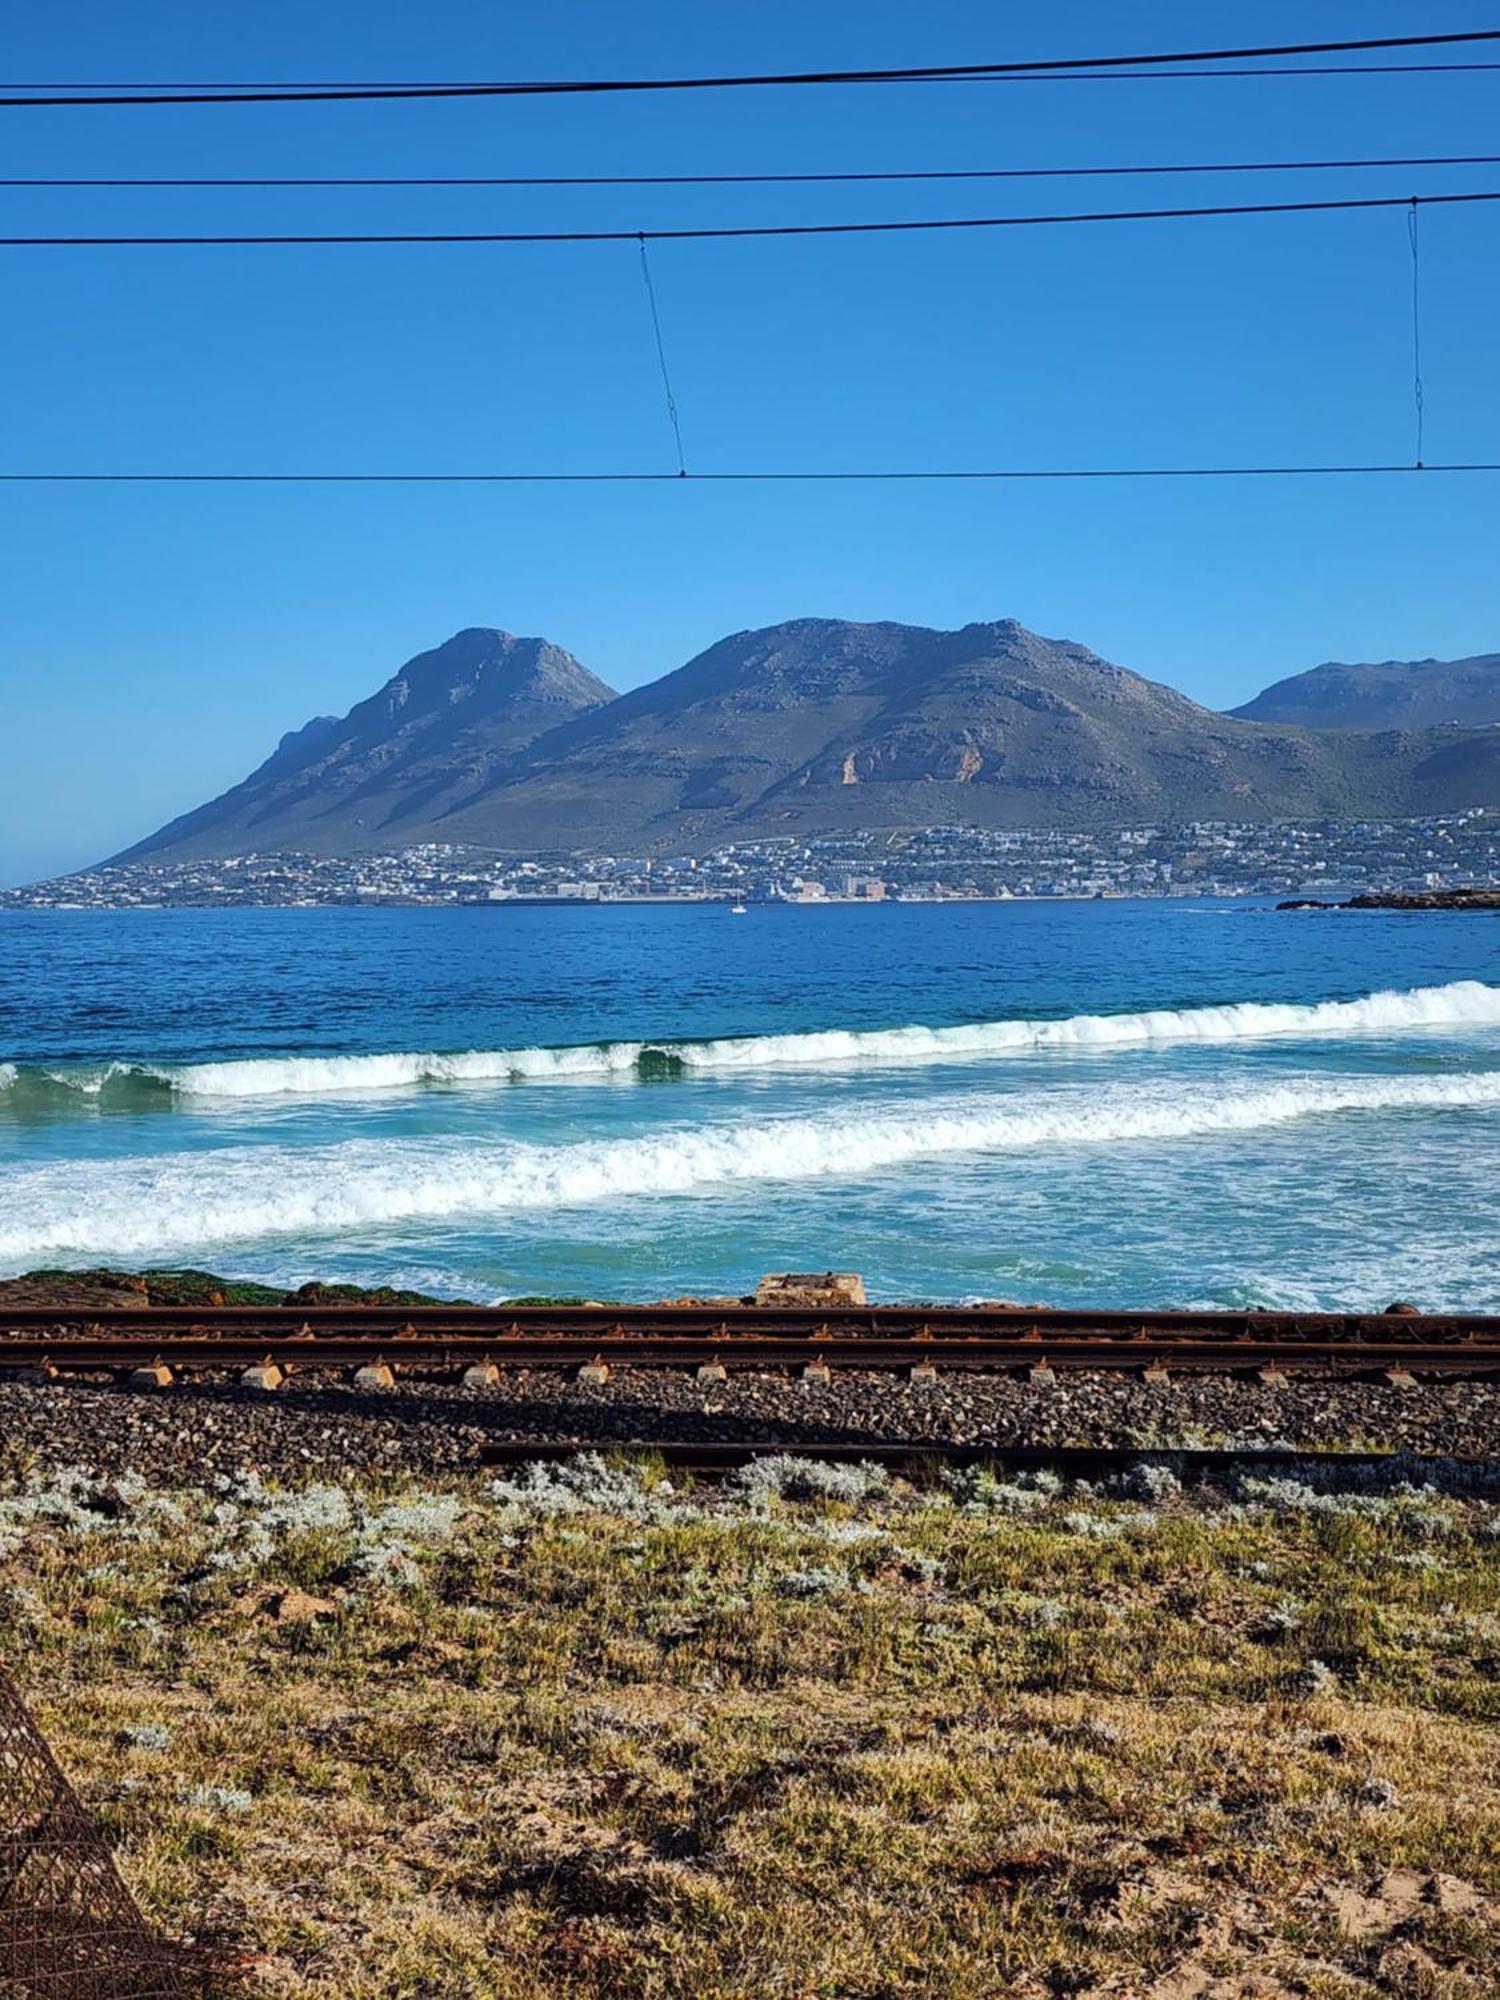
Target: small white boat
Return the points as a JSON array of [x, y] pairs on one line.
[[738, 910]]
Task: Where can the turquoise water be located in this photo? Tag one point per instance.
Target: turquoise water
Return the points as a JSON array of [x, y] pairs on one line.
[[1084, 1103]]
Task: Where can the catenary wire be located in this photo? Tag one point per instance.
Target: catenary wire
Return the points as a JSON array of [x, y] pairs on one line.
[[750, 180], [201, 240], [786, 477], [337, 91], [118, 94]]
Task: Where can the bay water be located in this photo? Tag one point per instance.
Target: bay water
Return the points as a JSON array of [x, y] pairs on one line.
[[1144, 1104]]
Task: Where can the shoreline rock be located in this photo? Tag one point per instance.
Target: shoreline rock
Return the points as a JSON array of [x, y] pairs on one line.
[[1403, 899]]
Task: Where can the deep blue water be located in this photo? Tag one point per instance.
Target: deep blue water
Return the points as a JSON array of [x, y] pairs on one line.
[[424, 1096]]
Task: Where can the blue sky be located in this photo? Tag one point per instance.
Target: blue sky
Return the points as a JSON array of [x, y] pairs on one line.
[[155, 642]]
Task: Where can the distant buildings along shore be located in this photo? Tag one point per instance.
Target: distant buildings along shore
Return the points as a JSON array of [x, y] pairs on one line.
[[930, 864]]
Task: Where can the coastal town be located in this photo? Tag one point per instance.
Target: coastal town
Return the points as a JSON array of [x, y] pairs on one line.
[[931, 864]]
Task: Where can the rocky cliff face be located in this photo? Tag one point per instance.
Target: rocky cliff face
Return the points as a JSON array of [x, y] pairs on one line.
[[813, 725]]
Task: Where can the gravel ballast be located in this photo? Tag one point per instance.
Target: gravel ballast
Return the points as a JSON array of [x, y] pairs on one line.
[[202, 1426]]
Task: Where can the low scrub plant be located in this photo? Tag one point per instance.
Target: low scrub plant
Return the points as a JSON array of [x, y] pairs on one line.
[[587, 1730]]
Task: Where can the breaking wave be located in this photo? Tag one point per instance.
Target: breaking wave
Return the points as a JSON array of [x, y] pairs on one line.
[[174, 1202], [1465, 1003]]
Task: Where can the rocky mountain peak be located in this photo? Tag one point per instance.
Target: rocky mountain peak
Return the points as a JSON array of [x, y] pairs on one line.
[[819, 725], [498, 666], [445, 723]]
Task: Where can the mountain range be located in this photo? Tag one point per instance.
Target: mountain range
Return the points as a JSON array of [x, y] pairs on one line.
[[823, 725], [1389, 694]]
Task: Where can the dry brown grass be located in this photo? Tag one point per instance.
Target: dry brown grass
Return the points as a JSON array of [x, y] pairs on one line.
[[873, 1746]]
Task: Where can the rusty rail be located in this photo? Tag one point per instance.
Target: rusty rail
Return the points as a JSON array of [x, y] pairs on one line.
[[388, 1323], [879, 1337]]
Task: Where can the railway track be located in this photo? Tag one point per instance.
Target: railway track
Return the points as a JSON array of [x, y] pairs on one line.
[[719, 1321], [442, 1338]]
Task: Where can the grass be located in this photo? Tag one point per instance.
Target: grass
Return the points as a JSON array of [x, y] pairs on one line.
[[579, 1733]]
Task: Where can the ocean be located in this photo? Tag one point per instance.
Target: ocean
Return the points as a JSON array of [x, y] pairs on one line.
[[1145, 1104]]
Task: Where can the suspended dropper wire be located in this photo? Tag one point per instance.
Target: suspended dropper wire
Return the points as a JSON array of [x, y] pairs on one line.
[[1414, 239], [661, 356]]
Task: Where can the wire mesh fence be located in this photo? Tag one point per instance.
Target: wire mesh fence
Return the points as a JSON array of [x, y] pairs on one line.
[[69, 1928]]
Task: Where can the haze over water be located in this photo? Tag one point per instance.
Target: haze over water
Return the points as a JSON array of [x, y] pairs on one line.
[[1144, 1104]]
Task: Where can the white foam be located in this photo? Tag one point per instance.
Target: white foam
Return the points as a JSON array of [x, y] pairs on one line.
[[1463, 1004], [91, 1082], [320, 1076], [233, 1194]]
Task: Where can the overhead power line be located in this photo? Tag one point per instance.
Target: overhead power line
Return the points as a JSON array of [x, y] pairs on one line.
[[120, 94], [173, 93], [894, 174], [520, 236], [1261, 69], [797, 477]]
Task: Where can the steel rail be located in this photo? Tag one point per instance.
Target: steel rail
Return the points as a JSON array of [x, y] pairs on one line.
[[67, 1352], [733, 1323]]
